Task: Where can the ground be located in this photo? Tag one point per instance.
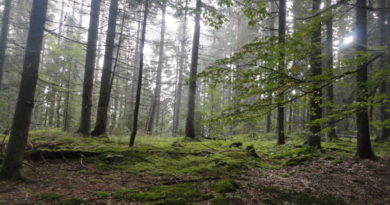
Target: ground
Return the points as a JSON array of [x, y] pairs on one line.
[[248, 169]]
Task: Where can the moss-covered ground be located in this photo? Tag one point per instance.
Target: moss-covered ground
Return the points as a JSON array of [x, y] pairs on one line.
[[245, 169]]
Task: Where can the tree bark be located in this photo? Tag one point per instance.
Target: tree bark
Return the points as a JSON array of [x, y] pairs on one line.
[[281, 38], [190, 123], [155, 109], [383, 89], [85, 121], [364, 149], [176, 112], [329, 66], [12, 165], [105, 88], [139, 83], [4, 35], [316, 70]]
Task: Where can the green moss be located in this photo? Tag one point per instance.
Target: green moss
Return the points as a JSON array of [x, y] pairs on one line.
[[225, 186], [93, 181], [83, 171], [102, 194], [189, 192], [72, 201], [302, 198], [50, 196]]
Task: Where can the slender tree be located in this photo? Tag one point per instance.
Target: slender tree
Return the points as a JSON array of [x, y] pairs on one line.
[[4, 35], [176, 112], [140, 70], [12, 165], [383, 89], [85, 122], [329, 66], [105, 88], [281, 38], [190, 122], [155, 109], [364, 149], [315, 70]]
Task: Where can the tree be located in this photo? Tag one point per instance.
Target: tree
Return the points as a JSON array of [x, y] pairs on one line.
[[315, 70], [281, 37], [11, 169], [329, 66], [155, 109], [190, 123], [383, 88], [85, 122], [364, 149], [4, 35], [105, 88], [140, 70], [176, 110]]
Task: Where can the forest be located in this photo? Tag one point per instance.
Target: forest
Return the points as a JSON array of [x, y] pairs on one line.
[[176, 102]]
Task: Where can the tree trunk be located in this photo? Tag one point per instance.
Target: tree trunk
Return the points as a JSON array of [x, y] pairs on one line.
[[85, 121], [282, 37], [155, 109], [329, 66], [190, 123], [12, 165], [364, 149], [4, 35], [139, 83], [383, 89], [66, 120], [134, 81], [315, 96], [176, 112], [105, 88]]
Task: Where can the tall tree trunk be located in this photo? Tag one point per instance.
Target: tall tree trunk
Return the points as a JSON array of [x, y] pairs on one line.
[[105, 88], [329, 66], [364, 149], [282, 37], [383, 89], [316, 70], [134, 81], [190, 122], [176, 112], [155, 109], [139, 83], [21, 123], [4, 35], [85, 121]]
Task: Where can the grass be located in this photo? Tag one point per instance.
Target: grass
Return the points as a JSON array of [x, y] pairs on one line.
[[179, 157]]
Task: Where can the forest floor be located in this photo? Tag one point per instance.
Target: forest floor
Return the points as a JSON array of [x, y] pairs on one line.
[[246, 169]]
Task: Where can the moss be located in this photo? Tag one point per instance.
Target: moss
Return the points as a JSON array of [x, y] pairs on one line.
[[225, 186], [83, 171], [102, 194], [72, 201], [50, 196], [302, 198], [93, 181], [189, 192]]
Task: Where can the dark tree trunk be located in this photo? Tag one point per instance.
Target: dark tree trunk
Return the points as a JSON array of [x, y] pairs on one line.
[[364, 149], [67, 112], [85, 121], [282, 36], [4, 35], [139, 83], [329, 66], [155, 109], [105, 88], [134, 81], [176, 112], [21, 123], [383, 89], [190, 122], [315, 97]]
